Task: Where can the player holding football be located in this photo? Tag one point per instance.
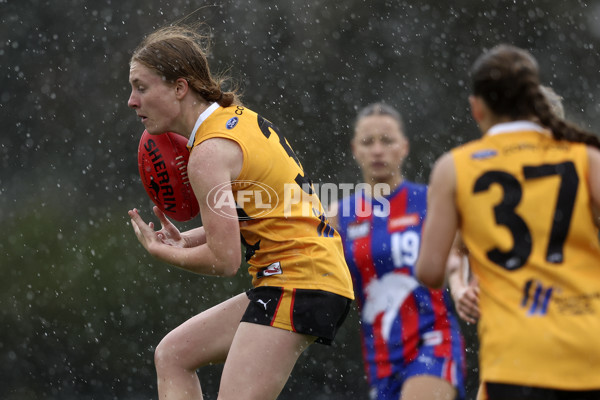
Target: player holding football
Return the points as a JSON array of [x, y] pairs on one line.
[[525, 199], [302, 288], [412, 345]]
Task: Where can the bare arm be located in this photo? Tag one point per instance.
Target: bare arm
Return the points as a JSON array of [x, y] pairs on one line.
[[464, 291], [215, 248], [440, 225], [194, 237]]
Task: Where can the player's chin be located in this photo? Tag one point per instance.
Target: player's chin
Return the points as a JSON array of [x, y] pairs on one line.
[[154, 129]]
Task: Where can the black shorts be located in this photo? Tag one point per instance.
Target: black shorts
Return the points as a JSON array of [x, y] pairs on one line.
[[311, 312], [501, 391]]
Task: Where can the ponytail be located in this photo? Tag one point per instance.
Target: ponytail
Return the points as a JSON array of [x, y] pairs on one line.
[[507, 79]]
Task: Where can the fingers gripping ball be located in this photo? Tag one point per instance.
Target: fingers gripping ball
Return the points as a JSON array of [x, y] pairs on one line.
[[162, 162]]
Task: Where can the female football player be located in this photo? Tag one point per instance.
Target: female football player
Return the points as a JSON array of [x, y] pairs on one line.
[[525, 199], [302, 288], [412, 344], [463, 286]]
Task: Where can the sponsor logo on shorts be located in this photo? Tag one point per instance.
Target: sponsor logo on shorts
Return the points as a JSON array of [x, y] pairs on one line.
[[264, 304], [423, 359]]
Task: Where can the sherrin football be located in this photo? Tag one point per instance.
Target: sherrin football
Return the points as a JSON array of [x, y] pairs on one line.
[[162, 162]]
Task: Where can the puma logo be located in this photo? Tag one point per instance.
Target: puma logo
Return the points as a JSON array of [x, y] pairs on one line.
[[263, 303]]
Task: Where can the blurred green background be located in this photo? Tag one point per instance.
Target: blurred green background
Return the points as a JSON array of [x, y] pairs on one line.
[[82, 305]]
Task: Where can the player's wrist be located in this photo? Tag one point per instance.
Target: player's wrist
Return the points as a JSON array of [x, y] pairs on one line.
[[186, 241]]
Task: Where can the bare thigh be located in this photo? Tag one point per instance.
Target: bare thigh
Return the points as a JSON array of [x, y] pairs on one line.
[[481, 395], [260, 362], [426, 387], [204, 338]]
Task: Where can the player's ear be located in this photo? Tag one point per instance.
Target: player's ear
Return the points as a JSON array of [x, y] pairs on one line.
[[181, 87], [477, 108]]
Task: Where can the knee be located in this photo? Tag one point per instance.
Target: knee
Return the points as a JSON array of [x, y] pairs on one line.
[[166, 353], [176, 351]]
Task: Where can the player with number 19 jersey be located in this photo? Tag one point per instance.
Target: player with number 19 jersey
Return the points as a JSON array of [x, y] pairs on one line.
[[289, 242], [406, 328]]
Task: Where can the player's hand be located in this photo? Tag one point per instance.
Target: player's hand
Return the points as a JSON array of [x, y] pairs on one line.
[[144, 232], [466, 301], [168, 234]]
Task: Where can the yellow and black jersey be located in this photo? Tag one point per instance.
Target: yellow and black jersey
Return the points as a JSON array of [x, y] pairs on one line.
[[289, 242], [526, 218]]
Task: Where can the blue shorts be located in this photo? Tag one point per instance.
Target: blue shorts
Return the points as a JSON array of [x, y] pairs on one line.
[[445, 368]]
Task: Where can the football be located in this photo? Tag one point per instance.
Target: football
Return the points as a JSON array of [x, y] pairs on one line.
[[162, 162]]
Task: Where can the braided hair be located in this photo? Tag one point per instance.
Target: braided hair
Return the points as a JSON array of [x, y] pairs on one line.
[[507, 79]]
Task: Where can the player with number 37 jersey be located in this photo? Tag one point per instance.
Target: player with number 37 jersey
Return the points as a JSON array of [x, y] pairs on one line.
[[529, 217], [407, 329], [525, 200]]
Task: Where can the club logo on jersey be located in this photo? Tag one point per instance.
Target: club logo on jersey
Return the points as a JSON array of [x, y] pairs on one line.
[[484, 154], [536, 297], [231, 123], [358, 230], [273, 269], [385, 296], [399, 223]]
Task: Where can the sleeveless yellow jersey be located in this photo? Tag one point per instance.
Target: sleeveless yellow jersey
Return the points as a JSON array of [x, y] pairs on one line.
[[288, 240], [526, 219]]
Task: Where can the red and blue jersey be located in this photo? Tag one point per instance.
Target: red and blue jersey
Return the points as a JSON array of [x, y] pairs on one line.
[[402, 321]]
